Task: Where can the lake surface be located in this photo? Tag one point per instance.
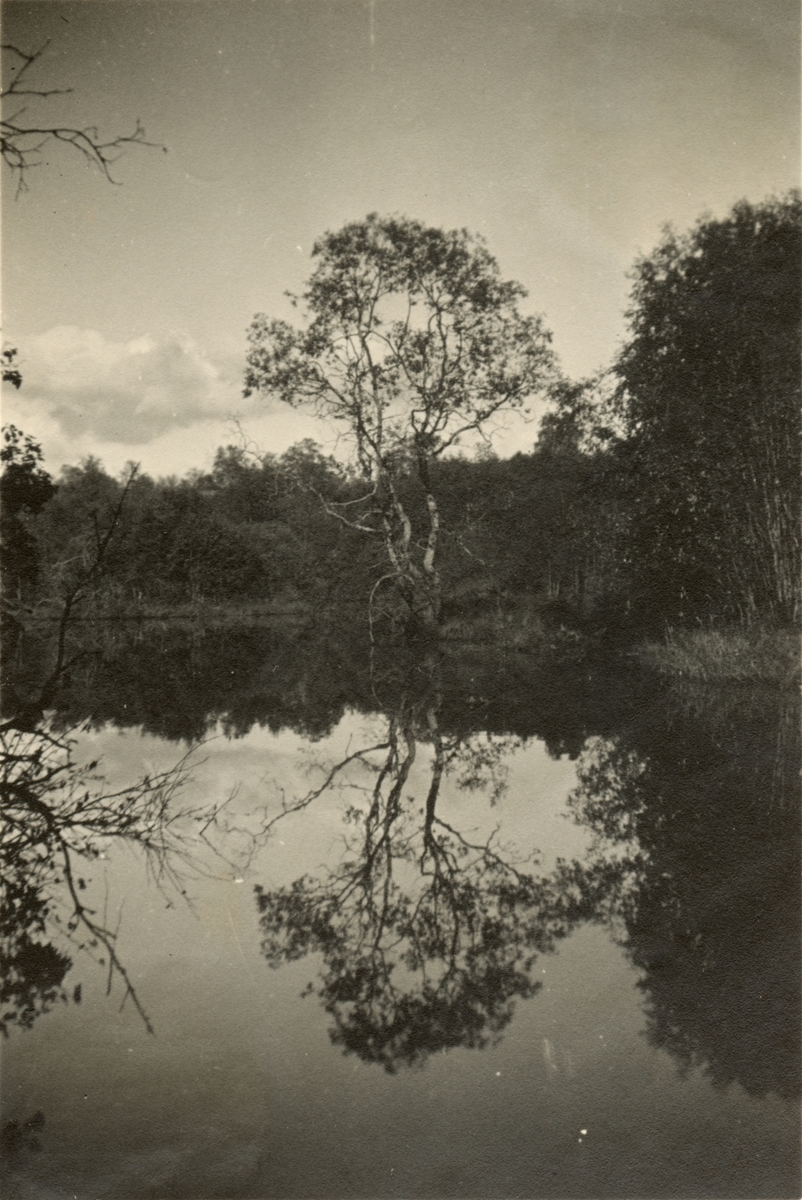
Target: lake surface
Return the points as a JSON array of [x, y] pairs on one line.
[[467, 926]]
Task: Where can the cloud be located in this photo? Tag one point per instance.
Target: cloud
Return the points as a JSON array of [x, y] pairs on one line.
[[158, 400], [127, 392]]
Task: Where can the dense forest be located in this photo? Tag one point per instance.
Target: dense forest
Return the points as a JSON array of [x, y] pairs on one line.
[[664, 492]]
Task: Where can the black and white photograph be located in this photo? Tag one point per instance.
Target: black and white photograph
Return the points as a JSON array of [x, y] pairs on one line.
[[400, 513]]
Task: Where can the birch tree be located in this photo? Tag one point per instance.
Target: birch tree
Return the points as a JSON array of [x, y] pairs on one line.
[[411, 343]]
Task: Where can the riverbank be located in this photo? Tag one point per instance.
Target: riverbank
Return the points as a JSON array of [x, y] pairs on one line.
[[522, 624], [729, 655], [761, 655]]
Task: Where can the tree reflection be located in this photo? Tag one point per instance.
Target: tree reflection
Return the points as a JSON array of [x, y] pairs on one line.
[[427, 934], [58, 816], [695, 809]]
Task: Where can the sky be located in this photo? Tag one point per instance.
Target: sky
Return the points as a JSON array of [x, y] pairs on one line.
[[566, 132]]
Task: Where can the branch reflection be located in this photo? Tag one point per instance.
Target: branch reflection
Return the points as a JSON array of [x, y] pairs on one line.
[[58, 817], [427, 933]]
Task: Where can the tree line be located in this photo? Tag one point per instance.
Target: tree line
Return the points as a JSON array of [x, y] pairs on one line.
[[664, 490]]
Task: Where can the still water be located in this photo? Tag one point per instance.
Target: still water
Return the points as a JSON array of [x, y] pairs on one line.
[[462, 927]]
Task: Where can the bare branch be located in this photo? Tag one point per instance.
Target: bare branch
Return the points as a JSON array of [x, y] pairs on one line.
[[22, 142]]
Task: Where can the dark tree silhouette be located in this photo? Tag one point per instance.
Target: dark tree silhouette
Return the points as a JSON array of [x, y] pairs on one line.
[[709, 397], [25, 487], [74, 576]]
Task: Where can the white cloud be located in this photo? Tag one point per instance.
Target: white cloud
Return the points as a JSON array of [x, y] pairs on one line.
[[127, 392], [158, 400]]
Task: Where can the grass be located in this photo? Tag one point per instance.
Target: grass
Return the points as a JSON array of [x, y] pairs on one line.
[[757, 655], [522, 626]]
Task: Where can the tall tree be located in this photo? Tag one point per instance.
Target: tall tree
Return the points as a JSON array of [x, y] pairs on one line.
[[412, 341], [710, 397]]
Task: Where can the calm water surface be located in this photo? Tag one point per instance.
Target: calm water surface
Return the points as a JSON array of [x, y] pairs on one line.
[[467, 932]]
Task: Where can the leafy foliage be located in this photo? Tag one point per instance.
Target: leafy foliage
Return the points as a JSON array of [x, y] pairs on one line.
[[709, 395], [25, 487]]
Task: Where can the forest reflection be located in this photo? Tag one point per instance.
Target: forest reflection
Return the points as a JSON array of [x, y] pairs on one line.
[[426, 934], [695, 813]]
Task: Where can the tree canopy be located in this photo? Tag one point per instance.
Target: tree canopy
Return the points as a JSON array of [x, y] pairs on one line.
[[710, 399]]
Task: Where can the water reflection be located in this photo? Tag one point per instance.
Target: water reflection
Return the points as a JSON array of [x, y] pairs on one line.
[[696, 863], [59, 817], [178, 681], [427, 935], [426, 932]]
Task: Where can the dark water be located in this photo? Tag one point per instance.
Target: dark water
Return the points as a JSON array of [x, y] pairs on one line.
[[467, 926]]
